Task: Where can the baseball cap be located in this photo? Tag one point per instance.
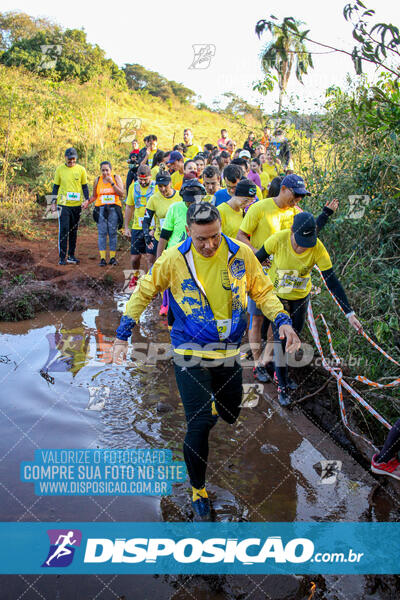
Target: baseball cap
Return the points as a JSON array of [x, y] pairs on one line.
[[163, 178], [244, 154], [191, 190], [175, 155], [305, 230], [295, 183], [71, 153], [246, 188]]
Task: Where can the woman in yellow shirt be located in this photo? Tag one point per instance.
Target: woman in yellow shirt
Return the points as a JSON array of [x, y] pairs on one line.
[[295, 252], [232, 211]]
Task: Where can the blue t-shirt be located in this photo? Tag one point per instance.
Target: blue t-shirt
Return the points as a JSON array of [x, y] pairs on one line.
[[222, 196]]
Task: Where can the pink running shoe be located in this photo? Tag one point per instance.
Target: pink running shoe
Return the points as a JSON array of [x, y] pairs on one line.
[[391, 468]]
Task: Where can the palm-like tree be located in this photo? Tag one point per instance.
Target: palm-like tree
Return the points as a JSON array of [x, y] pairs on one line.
[[285, 50]]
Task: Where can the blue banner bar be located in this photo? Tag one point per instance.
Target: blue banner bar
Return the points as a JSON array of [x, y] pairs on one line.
[[199, 548]]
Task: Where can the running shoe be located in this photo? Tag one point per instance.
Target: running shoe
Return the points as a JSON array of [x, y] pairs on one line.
[[102, 263], [113, 261], [391, 468], [261, 374], [62, 261], [292, 385], [164, 310], [133, 282], [73, 261], [201, 509], [283, 397]]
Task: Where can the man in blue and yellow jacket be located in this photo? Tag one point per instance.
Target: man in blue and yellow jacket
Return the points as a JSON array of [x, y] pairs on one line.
[[209, 277]]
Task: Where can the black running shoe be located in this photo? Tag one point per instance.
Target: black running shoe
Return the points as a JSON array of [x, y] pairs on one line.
[[283, 397], [261, 374]]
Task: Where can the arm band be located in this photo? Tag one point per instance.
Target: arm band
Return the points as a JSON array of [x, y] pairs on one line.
[[262, 254], [323, 218], [335, 287], [85, 190], [54, 193], [165, 234]]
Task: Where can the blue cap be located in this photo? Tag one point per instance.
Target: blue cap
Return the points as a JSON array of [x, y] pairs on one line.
[[175, 155], [295, 183], [71, 153], [305, 230]]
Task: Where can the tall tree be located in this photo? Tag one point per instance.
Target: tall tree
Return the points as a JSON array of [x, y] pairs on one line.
[[15, 26], [284, 51]]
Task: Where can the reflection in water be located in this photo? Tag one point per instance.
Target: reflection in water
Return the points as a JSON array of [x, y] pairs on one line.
[[67, 351], [262, 469]]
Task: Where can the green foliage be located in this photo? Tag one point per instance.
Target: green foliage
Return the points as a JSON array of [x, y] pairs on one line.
[[346, 158], [378, 43], [15, 26], [285, 50], [139, 78], [69, 56]]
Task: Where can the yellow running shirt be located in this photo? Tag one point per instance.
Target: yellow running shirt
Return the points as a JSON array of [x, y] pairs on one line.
[[265, 218], [177, 180], [137, 220], [154, 172], [231, 220], [272, 170], [70, 180], [212, 272], [192, 151], [265, 183], [290, 272], [159, 204]]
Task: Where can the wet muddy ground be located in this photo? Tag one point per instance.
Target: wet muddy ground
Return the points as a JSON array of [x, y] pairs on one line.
[[59, 391]]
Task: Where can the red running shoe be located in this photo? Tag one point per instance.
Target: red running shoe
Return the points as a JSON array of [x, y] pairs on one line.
[[391, 468], [133, 282]]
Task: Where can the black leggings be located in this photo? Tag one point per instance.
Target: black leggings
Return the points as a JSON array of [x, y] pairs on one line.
[[392, 445], [68, 223], [198, 387], [298, 312]]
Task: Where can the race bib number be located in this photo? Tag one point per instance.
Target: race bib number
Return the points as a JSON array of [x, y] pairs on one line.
[[224, 328], [140, 221], [288, 281], [73, 197], [107, 199]]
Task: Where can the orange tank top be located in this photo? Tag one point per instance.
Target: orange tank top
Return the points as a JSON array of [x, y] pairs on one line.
[[105, 194]]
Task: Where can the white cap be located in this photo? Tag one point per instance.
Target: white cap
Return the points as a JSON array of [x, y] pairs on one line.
[[245, 154]]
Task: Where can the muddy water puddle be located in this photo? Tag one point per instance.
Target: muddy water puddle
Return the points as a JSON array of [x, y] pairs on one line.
[[59, 390]]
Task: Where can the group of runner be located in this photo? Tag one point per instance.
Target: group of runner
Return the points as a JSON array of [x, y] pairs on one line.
[[223, 239]]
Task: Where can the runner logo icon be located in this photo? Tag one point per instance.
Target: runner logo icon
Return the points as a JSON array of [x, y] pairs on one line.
[[62, 547]]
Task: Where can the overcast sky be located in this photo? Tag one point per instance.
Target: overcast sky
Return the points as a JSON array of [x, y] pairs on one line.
[[159, 35]]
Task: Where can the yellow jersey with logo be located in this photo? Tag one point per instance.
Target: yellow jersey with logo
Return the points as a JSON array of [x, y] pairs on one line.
[[265, 218], [290, 272], [212, 272], [70, 180]]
